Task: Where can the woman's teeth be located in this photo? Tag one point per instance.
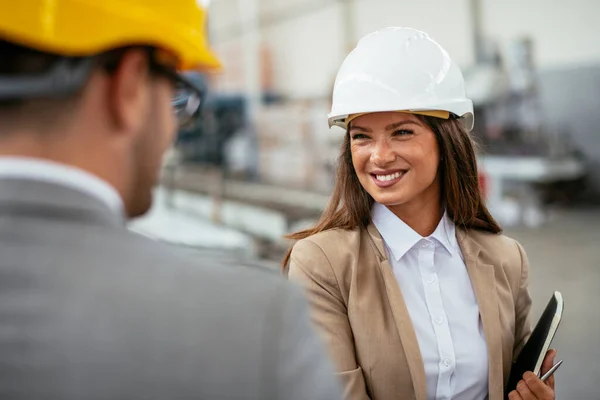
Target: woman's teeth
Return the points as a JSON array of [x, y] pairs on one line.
[[390, 177]]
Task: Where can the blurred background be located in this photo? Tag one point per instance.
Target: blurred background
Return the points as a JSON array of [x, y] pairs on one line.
[[259, 161]]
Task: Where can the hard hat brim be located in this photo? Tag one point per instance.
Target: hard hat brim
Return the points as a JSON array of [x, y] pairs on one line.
[[342, 121]]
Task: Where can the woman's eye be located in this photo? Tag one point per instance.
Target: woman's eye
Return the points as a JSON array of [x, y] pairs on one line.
[[403, 132], [358, 136]]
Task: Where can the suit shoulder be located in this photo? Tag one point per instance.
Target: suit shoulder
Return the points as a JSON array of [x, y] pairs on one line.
[[206, 266], [326, 256], [224, 258], [494, 239], [222, 263], [329, 240], [500, 247]]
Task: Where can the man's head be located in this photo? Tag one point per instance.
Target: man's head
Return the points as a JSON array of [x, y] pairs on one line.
[[109, 112]]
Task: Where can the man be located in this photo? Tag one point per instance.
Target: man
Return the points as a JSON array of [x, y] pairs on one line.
[[89, 310]]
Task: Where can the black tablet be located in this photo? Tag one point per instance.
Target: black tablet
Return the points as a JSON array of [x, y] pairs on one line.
[[533, 353]]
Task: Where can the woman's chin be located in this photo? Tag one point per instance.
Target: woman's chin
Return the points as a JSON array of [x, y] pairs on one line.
[[389, 200]]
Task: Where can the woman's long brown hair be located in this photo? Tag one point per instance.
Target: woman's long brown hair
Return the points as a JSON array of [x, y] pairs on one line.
[[350, 204]]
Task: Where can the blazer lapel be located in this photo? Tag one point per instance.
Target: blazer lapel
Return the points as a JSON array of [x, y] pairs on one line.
[[404, 324], [484, 286]]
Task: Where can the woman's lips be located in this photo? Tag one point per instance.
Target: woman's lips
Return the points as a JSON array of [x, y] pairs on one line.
[[387, 179]]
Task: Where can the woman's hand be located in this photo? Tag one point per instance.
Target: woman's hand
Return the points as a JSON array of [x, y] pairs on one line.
[[532, 387]]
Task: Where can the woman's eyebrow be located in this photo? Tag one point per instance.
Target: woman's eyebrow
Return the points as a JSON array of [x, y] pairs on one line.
[[399, 124], [360, 128]]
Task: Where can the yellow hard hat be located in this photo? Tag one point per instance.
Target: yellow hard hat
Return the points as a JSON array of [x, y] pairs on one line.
[[86, 27]]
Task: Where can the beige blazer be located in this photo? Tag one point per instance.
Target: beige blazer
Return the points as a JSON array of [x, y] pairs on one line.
[[358, 307]]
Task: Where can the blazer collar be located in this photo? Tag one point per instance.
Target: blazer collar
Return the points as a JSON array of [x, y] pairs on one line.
[[67, 176], [26, 197]]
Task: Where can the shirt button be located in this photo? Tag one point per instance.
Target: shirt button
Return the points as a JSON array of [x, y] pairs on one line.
[[439, 320], [447, 362], [431, 280]]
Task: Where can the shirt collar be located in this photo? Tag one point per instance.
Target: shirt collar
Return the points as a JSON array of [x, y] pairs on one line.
[[400, 238], [65, 175], [445, 233]]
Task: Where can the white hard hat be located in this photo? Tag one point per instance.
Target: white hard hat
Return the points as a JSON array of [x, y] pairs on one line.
[[399, 69]]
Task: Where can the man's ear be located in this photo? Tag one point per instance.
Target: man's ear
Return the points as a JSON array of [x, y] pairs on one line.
[[129, 91]]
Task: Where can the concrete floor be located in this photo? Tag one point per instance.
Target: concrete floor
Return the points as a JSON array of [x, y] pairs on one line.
[[565, 256]]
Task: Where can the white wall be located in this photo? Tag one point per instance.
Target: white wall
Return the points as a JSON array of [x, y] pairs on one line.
[[565, 33], [305, 52], [447, 21]]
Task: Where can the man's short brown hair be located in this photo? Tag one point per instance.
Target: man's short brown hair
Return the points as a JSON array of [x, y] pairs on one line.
[[16, 60]]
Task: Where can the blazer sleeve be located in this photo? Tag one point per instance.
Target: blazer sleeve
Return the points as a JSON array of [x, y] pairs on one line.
[[310, 267], [522, 305]]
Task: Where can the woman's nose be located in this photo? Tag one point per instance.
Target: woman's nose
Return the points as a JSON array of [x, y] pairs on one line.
[[382, 153]]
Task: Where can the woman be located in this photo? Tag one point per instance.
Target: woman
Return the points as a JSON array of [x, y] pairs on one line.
[[413, 287]]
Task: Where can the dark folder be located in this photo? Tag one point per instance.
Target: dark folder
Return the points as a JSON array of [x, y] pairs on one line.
[[533, 353]]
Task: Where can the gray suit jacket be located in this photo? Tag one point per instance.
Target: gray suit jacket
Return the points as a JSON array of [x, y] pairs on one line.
[[89, 310]]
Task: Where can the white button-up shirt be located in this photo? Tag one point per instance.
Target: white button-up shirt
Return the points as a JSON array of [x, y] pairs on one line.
[[435, 284], [64, 175]]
